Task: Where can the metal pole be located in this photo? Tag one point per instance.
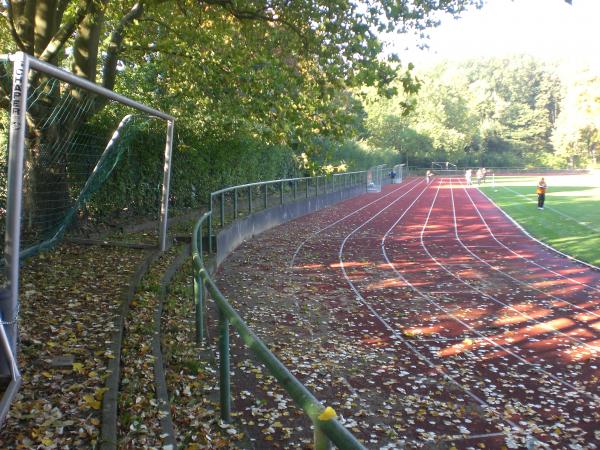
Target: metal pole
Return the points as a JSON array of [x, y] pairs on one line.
[[222, 209], [316, 186], [210, 242], [224, 372], [322, 442], [12, 238], [249, 200], [63, 75], [266, 198], [281, 193], [235, 204], [164, 207], [295, 189], [199, 307]]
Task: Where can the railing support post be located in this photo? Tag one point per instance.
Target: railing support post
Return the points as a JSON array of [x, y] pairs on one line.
[[295, 189], [281, 193], [249, 200], [224, 372], [322, 442], [307, 181], [199, 307], [210, 244], [235, 204], [266, 194], [222, 209]]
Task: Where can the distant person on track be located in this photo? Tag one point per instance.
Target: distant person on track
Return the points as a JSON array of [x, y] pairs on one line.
[[483, 174], [479, 176], [392, 176], [541, 192], [428, 176], [468, 174]]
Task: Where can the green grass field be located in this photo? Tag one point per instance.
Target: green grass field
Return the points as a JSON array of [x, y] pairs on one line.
[[570, 221]]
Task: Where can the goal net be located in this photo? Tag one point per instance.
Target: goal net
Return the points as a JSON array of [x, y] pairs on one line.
[[375, 178], [398, 172], [68, 141]]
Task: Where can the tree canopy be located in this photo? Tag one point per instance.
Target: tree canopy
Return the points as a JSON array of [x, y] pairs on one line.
[[276, 68], [493, 112]]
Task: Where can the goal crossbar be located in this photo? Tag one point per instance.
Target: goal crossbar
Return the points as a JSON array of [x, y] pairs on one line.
[[23, 65]]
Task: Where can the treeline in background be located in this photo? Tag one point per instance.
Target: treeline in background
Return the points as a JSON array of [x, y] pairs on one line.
[[265, 92]]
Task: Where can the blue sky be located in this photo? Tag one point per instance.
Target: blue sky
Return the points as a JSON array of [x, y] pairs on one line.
[[549, 29]]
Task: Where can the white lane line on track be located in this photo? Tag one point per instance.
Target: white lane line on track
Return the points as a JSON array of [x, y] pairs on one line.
[[399, 336], [550, 328], [316, 233], [549, 247], [521, 282], [472, 436], [475, 236], [466, 325], [495, 236]]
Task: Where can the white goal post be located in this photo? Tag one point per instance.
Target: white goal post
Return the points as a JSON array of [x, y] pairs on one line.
[[23, 71]]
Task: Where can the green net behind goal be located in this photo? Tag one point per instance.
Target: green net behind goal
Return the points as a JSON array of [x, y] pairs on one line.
[[90, 163]]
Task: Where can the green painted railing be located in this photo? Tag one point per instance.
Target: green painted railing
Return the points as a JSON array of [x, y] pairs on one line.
[[258, 196], [326, 431]]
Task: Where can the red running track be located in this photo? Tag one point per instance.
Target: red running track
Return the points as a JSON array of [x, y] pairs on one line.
[[493, 336]]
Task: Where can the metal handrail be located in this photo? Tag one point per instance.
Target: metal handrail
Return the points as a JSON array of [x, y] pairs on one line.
[[326, 430], [285, 180], [311, 184]]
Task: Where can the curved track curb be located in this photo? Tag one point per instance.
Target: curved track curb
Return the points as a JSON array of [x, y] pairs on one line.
[[108, 432], [160, 383], [548, 246]]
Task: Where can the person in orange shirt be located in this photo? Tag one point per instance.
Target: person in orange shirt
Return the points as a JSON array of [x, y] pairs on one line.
[[541, 192]]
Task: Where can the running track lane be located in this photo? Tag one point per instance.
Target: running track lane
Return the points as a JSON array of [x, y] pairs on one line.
[[506, 338]]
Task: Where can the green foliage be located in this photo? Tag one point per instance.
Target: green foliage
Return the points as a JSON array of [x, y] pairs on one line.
[[577, 134], [200, 166], [494, 112], [358, 155], [569, 221]]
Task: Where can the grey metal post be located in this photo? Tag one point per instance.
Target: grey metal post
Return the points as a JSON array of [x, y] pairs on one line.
[[12, 238], [281, 193], [321, 441], [164, 207], [235, 204], [266, 198]]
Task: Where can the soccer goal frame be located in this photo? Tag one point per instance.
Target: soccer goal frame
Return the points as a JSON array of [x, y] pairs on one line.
[[23, 64], [375, 178], [399, 171]]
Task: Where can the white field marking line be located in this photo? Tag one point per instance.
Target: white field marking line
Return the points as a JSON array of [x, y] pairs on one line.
[[565, 215], [595, 349], [399, 336], [526, 233], [507, 275], [555, 331], [491, 234], [466, 325], [446, 236], [293, 260]]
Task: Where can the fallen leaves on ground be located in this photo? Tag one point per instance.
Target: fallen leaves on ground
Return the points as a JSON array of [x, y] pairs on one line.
[[69, 299]]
